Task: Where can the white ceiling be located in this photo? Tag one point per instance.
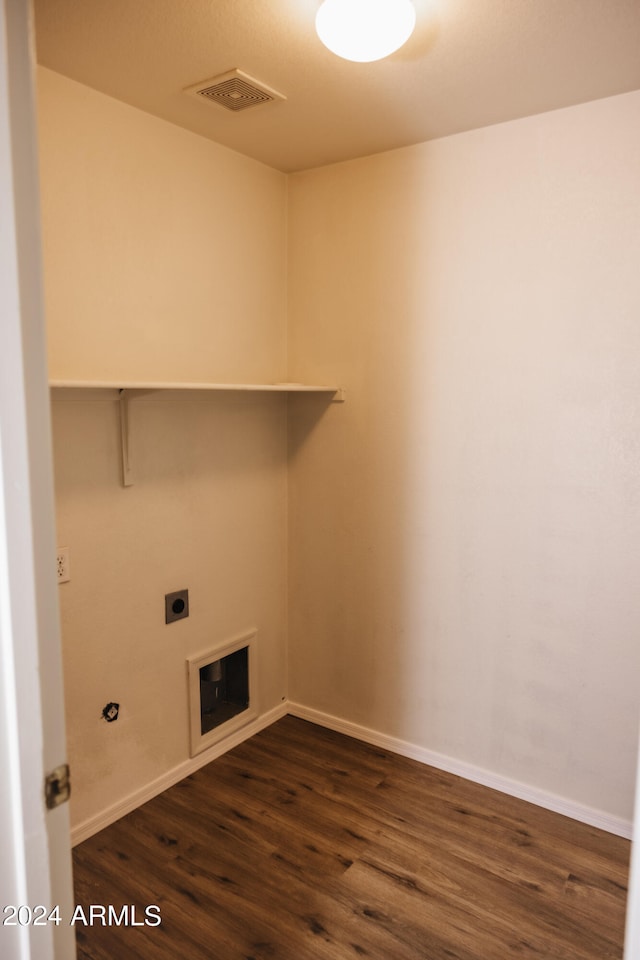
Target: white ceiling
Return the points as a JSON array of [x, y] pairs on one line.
[[470, 63]]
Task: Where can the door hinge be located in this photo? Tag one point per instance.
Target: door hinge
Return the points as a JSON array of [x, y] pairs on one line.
[[57, 786]]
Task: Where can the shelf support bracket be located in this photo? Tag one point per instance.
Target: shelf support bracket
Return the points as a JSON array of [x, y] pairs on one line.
[[125, 439]]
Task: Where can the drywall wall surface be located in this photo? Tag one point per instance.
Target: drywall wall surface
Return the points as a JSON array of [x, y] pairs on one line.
[[164, 252], [207, 512], [464, 531], [165, 260]]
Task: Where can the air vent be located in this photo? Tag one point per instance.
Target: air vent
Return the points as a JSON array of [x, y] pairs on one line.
[[235, 90]]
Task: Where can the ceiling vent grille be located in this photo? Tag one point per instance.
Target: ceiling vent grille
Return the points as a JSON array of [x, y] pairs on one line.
[[234, 90]]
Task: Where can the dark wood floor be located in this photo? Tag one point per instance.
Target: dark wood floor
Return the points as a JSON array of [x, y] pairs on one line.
[[302, 844]]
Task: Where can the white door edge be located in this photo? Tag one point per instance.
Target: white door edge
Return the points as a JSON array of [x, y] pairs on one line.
[[34, 842]]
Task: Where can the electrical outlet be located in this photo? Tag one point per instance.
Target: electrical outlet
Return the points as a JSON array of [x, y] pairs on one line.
[[63, 570], [176, 605]]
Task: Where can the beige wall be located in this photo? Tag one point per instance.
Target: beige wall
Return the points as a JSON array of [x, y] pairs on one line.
[[207, 512], [165, 259], [464, 531], [163, 251]]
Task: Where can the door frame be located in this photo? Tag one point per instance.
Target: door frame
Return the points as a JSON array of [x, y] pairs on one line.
[[35, 848]]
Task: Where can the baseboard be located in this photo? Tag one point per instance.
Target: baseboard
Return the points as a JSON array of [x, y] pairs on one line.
[[550, 801], [106, 817]]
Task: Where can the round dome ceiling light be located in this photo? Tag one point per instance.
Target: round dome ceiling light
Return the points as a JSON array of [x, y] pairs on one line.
[[365, 30]]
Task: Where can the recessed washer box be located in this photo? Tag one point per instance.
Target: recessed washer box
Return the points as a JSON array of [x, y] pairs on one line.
[[222, 696]]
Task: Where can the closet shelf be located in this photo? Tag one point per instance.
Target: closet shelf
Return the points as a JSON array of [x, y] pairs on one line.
[[129, 390], [337, 392]]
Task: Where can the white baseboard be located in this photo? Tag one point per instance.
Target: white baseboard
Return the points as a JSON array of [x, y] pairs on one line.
[[94, 824], [550, 801]]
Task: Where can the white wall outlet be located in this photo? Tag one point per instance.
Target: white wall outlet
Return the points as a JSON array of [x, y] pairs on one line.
[[63, 570]]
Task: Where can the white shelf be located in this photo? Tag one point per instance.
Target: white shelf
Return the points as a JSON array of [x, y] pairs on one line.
[[128, 390], [252, 387]]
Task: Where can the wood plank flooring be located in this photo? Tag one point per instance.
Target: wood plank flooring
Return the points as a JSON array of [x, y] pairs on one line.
[[302, 844]]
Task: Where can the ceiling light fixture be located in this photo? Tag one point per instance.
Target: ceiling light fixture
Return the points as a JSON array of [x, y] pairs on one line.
[[365, 30]]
